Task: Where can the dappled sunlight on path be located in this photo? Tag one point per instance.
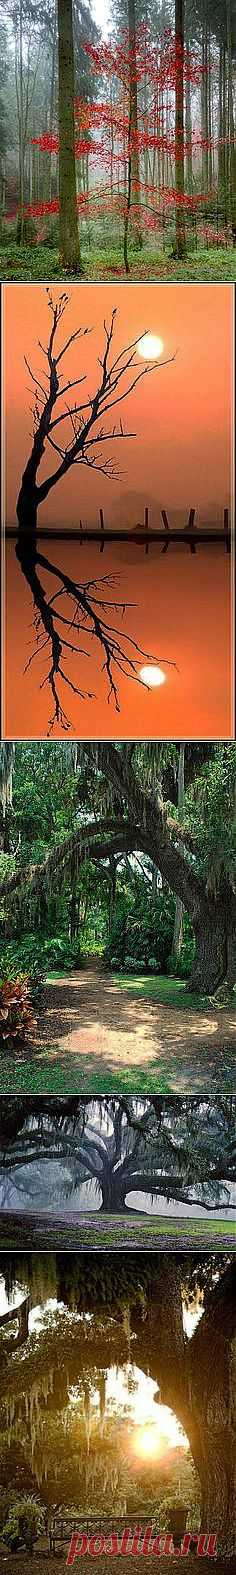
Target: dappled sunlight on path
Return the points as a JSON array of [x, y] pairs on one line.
[[89, 1015]]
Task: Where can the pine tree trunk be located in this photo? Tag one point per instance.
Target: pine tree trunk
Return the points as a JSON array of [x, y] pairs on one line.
[[232, 149], [189, 160], [204, 106], [69, 231], [180, 231], [134, 157]]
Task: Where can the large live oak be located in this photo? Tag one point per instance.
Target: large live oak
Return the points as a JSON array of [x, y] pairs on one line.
[[181, 1149], [144, 823], [195, 1377]]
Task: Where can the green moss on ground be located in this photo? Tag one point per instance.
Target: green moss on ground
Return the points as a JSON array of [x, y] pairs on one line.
[[42, 262]]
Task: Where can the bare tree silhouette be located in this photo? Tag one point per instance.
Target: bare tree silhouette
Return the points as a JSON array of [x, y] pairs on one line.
[[76, 609]]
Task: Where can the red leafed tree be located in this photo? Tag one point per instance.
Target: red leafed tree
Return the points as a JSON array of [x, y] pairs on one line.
[[125, 143]]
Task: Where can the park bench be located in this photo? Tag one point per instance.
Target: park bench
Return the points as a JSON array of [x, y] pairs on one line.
[[62, 1527]]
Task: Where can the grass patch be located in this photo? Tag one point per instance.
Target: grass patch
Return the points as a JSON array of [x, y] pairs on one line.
[[43, 262], [114, 1232], [37, 1077], [169, 991]]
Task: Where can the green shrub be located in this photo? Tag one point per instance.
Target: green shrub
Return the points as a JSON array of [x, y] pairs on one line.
[[134, 965], [35, 956], [25, 1522], [142, 930]]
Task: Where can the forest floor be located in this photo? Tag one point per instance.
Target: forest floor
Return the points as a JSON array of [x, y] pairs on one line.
[[98, 1032], [69, 1232], [21, 1564], [43, 262]]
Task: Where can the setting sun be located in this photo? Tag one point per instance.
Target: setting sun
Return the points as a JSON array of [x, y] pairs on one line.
[[147, 1442], [152, 676], [150, 347]]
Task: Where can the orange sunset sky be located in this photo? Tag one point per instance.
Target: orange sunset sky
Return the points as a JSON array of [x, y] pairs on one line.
[[181, 414]]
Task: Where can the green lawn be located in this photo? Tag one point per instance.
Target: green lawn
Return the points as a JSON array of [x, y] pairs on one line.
[[160, 988], [43, 262], [61, 1077], [114, 1232]]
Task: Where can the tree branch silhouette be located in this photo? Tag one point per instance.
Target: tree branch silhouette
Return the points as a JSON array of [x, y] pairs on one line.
[[90, 614]]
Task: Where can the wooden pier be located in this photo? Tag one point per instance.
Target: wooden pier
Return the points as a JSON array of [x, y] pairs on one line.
[[190, 535]]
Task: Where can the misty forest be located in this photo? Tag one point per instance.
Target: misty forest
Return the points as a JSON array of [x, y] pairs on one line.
[[83, 1171], [117, 139], [117, 917], [123, 1415]]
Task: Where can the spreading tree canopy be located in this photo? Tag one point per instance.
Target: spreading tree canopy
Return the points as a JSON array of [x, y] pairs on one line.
[[136, 1307], [183, 1150], [130, 804]]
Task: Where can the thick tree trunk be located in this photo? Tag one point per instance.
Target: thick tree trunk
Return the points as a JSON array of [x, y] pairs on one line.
[[215, 956], [217, 1473], [69, 232], [211, 1361], [113, 1192], [197, 1380]]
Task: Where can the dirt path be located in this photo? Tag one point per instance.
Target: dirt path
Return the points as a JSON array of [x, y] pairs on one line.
[[89, 1018], [21, 1564], [113, 1233]]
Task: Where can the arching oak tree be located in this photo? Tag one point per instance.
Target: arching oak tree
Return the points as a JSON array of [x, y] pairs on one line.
[[195, 1376]]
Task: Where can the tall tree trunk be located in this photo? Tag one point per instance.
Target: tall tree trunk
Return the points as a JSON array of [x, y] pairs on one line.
[[218, 1484], [180, 230], [215, 935], [73, 918], [210, 962], [179, 912], [204, 106], [197, 1381], [49, 157], [232, 149], [19, 80], [189, 159], [112, 893], [222, 131], [133, 151], [69, 230]]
